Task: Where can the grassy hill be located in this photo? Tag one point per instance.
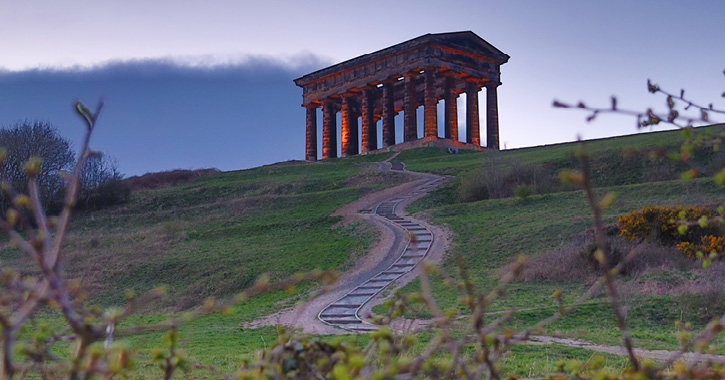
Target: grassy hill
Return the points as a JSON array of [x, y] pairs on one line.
[[213, 236], [489, 234]]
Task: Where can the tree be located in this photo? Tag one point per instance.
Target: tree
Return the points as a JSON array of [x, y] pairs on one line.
[[101, 183], [26, 140]]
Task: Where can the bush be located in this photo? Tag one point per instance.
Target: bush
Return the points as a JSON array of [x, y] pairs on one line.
[[686, 228], [710, 245], [501, 179], [101, 184]]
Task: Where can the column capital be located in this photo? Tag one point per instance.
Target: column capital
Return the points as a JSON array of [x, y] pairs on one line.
[[315, 104]]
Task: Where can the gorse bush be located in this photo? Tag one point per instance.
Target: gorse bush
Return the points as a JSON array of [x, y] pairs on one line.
[[709, 245], [688, 228]]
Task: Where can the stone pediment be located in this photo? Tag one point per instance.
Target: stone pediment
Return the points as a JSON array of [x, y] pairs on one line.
[[466, 47], [470, 42]]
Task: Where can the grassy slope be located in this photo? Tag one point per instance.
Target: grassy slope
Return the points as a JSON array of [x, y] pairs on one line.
[[214, 237], [491, 233]]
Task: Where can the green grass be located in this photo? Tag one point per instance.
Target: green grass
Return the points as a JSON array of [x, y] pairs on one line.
[[215, 236], [490, 234], [438, 160]]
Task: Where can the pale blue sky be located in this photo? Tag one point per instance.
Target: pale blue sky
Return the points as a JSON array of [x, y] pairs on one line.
[[232, 103]]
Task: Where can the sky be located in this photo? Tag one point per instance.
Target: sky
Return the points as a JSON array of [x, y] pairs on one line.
[[198, 84]]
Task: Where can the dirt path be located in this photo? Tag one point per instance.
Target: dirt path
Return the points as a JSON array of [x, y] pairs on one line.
[[658, 355], [391, 243]]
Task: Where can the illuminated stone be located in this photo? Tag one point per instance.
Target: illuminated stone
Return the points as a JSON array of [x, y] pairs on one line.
[[430, 114], [370, 86]]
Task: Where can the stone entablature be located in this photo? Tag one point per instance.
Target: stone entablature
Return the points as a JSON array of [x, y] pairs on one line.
[[418, 72]]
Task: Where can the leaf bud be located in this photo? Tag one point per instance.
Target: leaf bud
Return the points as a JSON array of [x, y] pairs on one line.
[[608, 200], [32, 166], [571, 176], [682, 229], [12, 216], [22, 201], [703, 222]]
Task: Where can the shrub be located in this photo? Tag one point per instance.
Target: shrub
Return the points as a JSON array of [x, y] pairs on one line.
[[101, 184], [523, 191], [112, 192], [710, 245], [500, 179], [675, 226]]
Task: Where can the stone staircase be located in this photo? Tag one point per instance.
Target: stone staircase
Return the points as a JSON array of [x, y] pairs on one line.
[[343, 313]]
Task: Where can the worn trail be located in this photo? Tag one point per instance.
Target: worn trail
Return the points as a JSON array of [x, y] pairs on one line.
[[345, 311], [392, 259]]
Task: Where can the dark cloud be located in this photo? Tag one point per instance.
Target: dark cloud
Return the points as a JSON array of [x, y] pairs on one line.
[[173, 113]]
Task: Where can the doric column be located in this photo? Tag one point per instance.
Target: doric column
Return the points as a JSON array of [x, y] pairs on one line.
[[492, 116], [329, 129], [450, 117], [345, 138], [354, 127], [311, 135], [430, 119], [410, 127], [369, 131], [473, 130], [389, 113]]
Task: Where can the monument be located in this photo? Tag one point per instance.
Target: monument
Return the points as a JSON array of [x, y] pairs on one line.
[[418, 72]]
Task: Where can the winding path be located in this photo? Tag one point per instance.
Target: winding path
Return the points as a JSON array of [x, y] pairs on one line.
[[344, 312]]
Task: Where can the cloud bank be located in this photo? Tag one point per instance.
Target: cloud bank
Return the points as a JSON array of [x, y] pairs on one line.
[[166, 113]]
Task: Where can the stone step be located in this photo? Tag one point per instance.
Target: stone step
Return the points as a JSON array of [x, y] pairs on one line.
[[344, 306], [343, 321], [363, 294], [336, 315]]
